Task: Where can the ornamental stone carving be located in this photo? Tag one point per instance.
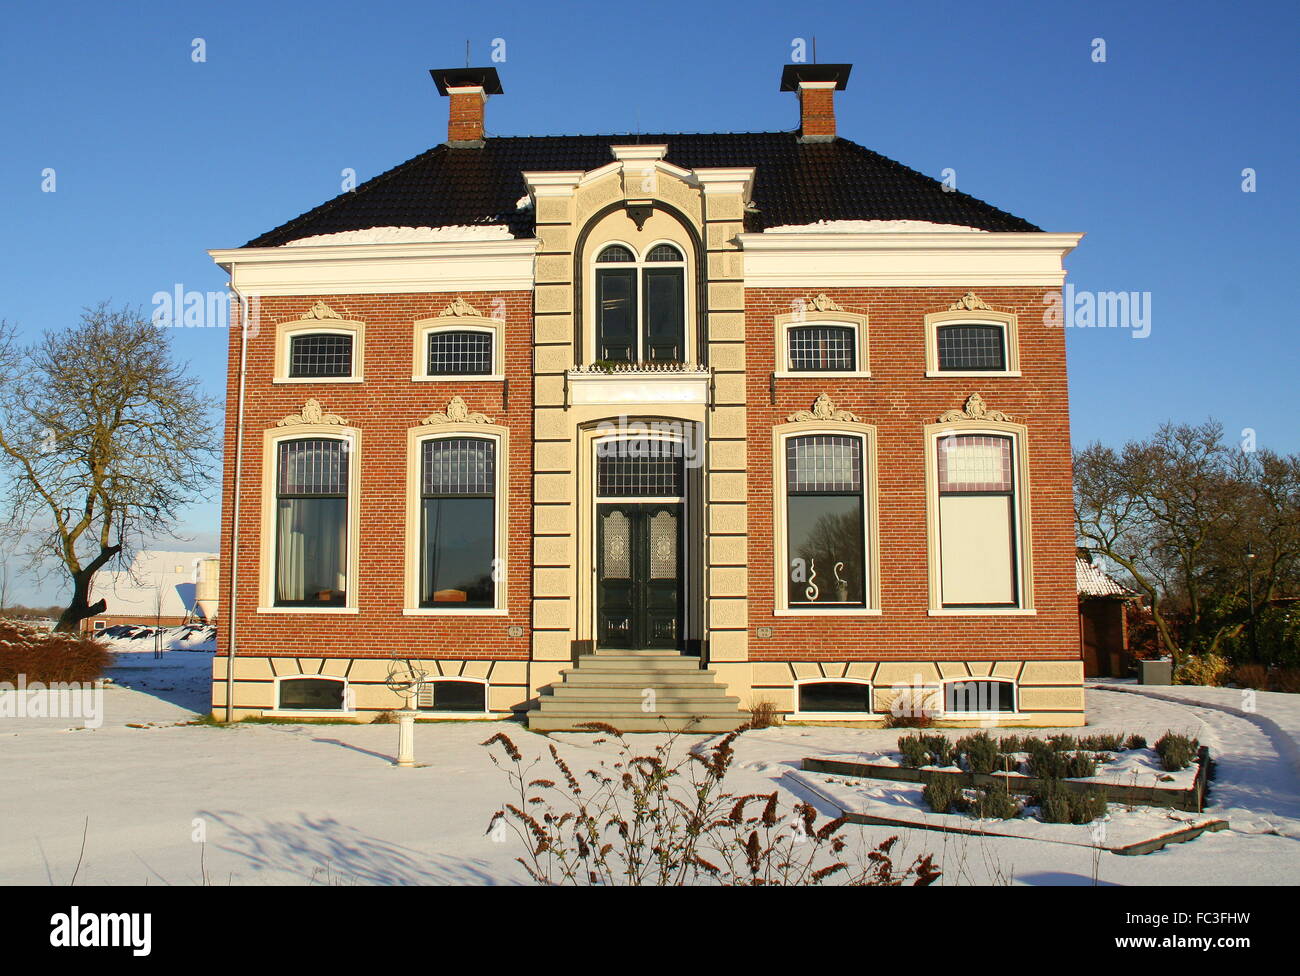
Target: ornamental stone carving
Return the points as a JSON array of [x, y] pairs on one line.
[[969, 302], [456, 413], [321, 311], [311, 414], [974, 410], [823, 409]]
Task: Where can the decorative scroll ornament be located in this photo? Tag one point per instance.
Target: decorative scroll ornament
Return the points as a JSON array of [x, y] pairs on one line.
[[823, 408], [969, 302], [457, 413], [459, 308], [823, 303], [311, 414], [321, 311], [974, 410]]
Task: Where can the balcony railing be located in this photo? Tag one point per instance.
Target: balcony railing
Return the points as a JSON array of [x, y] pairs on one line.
[[616, 383]]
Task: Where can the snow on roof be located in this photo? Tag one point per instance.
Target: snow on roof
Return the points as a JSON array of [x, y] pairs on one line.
[[871, 227], [1090, 580], [408, 235]]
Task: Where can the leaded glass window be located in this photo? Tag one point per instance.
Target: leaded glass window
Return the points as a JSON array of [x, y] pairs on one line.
[[817, 348], [826, 548], [312, 516], [459, 352], [320, 354], [458, 522], [972, 347]]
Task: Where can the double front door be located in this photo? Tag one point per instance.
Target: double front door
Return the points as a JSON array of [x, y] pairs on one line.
[[639, 596]]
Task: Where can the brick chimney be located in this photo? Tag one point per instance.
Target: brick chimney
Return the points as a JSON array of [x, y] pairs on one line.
[[816, 85], [468, 89]]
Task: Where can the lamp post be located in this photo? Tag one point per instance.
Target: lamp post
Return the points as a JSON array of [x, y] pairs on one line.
[[1250, 598]]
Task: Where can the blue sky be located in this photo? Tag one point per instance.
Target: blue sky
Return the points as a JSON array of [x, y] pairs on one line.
[[157, 157]]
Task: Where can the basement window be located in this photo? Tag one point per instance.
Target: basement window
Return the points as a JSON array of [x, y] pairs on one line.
[[835, 697], [461, 695], [979, 696], [311, 694]]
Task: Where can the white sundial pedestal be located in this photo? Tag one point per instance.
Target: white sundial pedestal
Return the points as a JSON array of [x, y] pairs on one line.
[[405, 679]]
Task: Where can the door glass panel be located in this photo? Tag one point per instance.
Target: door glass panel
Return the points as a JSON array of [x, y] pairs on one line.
[[665, 315], [617, 563], [616, 314], [663, 546]]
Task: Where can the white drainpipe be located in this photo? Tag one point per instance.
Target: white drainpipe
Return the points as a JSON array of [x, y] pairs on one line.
[[234, 512]]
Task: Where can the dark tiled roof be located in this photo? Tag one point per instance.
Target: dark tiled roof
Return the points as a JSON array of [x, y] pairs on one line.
[[795, 183]]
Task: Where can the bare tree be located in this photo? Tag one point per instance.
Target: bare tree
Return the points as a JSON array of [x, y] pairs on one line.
[[104, 438], [1179, 513]]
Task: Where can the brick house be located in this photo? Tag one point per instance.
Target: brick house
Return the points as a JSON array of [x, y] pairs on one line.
[[650, 427]]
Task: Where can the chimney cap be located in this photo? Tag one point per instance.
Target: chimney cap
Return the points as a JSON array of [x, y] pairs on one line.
[[485, 78], [795, 73]]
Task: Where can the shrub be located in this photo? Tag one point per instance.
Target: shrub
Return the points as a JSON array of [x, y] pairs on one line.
[[981, 752], [1063, 742], [940, 793], [1007, 763], [1203, 669], [764, 715], [1109, 742], [1287, 679], [47, 657], [1013, 743], [1176, 751], [664, 817], [1058, 803], [915, 754], [1080, 764], [1251, 676], [993, 803], [942, 752], [1046, 762], [1135, 742]]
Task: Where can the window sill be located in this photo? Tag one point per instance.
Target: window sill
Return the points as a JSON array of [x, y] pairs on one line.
[[816, 374], [428, 715], [461, 378], [319, 379], [835, 716], [982, 612], [455, 612], [308, 610], [969, 373], [981, 716], [846, 612]]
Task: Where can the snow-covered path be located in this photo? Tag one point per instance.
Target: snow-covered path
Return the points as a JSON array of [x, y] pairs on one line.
[[304, 804]]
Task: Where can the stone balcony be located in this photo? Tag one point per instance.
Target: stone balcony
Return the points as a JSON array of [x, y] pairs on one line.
[[639, 383]]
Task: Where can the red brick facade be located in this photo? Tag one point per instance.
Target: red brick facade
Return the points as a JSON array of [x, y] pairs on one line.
[[900, 400], [384, 407]]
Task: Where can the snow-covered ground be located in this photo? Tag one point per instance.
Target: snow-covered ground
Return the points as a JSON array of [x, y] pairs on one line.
[[163, 801]]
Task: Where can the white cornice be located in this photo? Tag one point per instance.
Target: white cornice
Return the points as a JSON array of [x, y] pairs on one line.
[[824, 259], [359, 269]]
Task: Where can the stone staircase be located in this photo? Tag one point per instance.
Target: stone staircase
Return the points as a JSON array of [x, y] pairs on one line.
[[610, 686]]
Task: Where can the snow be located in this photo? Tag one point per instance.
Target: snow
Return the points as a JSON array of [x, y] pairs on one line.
[[409, 235], [870, 227], [322, 804], [138, 639]]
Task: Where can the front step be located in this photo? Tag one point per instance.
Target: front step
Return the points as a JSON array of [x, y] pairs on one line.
[[609, 687]]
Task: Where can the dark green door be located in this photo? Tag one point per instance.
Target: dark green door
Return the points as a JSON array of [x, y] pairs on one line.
[[639, 575]]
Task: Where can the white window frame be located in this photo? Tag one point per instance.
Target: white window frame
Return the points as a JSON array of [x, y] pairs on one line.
[[801, 317], [429, 714], [286, 331], [415, 441], [270, 490], [1009, 324], [798, 715], [1024, 570], [639, 264], [347, 711], [943, 698], [870, 519], [450, 323]]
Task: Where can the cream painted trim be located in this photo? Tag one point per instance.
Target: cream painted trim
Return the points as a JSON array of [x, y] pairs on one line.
[[1019, 434], [870, 484], [266, 542], [453, 323], [828, 259], [415, 437], [810, 316], [798, 716], [285, 331], [1011, 340], [368, 269]]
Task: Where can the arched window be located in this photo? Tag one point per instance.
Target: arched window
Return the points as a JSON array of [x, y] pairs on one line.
[[312, 522], [458, 522], [641, 304]]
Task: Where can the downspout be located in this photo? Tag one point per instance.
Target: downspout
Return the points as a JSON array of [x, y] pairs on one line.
[[234, 510]]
